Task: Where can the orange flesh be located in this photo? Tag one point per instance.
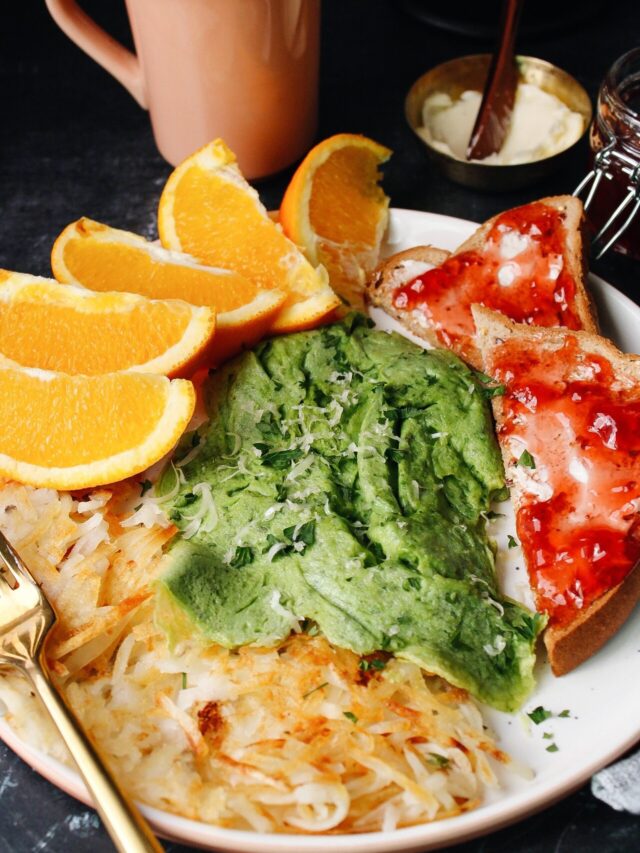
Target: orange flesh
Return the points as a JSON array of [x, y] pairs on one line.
[[581, 532], [219, 223], [109, 265], [346, 201], [127, 407], [54, 337]]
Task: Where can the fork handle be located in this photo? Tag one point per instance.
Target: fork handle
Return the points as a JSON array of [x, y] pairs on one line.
[[129, 831]]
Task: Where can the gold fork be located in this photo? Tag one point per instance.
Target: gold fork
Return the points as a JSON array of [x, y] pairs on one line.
[[26, 617]]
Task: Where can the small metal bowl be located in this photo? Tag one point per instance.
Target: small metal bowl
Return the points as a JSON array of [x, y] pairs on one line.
[[470, 72]]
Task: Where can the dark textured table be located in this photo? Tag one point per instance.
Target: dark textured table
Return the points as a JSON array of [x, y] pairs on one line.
[[73, 143]]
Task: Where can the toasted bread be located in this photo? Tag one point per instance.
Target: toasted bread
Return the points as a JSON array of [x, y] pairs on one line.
[[585, 470], [477, 271]]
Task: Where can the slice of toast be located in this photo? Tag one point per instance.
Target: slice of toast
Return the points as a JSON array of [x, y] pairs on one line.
[[528, 263], [568, 424]]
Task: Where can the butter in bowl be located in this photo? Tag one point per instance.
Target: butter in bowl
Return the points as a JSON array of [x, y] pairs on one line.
[[552, 112]]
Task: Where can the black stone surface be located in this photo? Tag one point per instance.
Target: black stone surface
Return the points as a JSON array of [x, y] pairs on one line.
[[73, 142]]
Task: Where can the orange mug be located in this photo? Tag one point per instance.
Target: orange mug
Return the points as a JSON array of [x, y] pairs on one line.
[[244, 70]]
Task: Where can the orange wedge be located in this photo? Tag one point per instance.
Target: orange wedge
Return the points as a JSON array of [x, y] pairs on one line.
[[108, 259], [50, 326], [209, 210], [74, 432], [335, 210]]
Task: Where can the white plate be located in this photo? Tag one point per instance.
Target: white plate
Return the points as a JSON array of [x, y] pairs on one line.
[[603, 695]]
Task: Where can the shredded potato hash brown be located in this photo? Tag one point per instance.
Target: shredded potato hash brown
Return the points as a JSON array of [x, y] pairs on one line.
[[300, 738]]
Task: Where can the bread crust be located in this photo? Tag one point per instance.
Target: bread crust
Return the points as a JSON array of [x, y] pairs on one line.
[[395, 271], [384, 280], [567, 645]]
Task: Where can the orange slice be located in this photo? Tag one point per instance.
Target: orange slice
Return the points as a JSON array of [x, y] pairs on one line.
[[335, 210], [209, 210], [74, 432], [50, 326], [103, 258]]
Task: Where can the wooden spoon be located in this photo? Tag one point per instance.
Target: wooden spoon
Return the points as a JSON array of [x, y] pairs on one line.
[[494, 117]]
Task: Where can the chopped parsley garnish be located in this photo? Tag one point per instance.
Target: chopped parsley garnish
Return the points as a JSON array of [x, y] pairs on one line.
[[184, 680], [282, 552], [278, 459], [529, 626], [437, 760], [565, 713], [539, 715], [376, 663], [512, 541], [306, 533], [242, 557], [526, 460], [350, 716], [489, 386], [547, 735], [394, 454], [314, 689], [552, 748], [493, 391], [385, 642]]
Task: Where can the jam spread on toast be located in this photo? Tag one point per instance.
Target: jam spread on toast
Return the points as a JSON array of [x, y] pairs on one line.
[[572, 427], [521, 271]]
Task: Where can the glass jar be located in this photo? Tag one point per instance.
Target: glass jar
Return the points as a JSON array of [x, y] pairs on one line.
[[615, 135]]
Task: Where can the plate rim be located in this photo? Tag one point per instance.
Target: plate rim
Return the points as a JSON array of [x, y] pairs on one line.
[[485, 819]]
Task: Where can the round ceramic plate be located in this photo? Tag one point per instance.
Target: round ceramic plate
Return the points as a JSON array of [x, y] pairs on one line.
[[595, 709]]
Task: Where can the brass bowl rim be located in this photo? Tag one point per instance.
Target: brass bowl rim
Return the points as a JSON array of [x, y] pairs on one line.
[[545, 65]]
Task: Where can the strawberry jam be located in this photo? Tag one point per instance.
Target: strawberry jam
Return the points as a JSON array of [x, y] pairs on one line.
[[572, 431], [521, 270]]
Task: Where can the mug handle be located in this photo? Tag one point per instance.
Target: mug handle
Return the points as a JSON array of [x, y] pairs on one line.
[[100, 46]]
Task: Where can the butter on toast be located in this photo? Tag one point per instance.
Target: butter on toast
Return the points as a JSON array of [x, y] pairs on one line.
[[528, 263], [568, 424]]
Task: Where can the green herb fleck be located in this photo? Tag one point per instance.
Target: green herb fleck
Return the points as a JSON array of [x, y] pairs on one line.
[[314, 689], [184, 680], [513, 542], [307, 533], [375, 663], [526, 460], [350, 716], [552, 748], [393, 454], [146, 485], [547, 735], [489, 386], [565, 713], [278, 459], [437, 760], [539, 715], [242, 557], [494, 391]]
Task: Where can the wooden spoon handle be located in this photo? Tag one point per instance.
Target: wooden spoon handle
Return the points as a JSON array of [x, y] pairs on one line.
[[494, 116]]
